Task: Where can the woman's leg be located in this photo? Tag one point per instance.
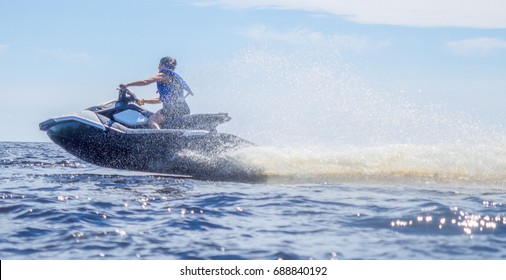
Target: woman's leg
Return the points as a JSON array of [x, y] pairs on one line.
[[156, 119], [168, 114]]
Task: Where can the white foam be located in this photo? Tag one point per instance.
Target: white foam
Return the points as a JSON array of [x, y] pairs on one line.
[[482, 164]]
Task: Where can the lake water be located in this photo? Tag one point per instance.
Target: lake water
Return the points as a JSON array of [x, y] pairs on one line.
[[54, 206]]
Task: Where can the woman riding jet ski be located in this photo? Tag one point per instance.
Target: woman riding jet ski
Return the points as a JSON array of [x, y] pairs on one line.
[[171, 88], [119, 134]]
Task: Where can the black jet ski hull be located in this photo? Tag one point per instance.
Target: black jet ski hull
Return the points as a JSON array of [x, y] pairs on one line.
[[199, 154]]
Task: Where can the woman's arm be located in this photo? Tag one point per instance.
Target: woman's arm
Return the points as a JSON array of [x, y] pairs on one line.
[[149, 101], [144, 82], [152, 101]]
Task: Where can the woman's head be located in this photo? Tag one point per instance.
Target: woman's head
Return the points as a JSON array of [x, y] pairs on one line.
[[168, 62]]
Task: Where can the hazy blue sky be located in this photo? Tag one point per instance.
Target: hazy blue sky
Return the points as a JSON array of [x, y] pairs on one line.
[[58, 57]]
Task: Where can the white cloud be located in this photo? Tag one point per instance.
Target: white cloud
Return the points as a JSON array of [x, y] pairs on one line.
[[479, 45], [298, 35], [68, 56], [304, 36], [422, 13]]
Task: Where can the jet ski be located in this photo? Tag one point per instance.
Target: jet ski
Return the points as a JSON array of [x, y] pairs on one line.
[[116, 134]]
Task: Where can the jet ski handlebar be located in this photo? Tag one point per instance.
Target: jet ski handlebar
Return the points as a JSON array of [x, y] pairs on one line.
[[125, 95]]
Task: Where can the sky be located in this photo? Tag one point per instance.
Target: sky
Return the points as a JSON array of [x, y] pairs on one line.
[[268, 63]]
